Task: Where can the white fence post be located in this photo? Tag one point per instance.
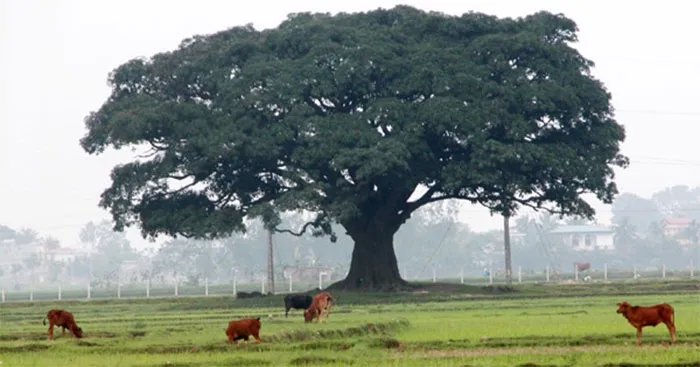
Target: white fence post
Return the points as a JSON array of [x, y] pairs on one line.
[[575, 272], [634, 272], [206, 286], [434, 278], [59, 292], [320, 280], [176, 288], [89, 290], [461, 275], [405, 273], [663, 271], [692, 269], [2, 294], [290, 282], [119, 289], [605, 271], [31, 293], [520, 274], [547, 273], [234, 285], [262, 285], [490, 273], [148, 287]]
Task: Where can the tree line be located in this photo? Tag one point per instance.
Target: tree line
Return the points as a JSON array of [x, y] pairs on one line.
[[434, 238]]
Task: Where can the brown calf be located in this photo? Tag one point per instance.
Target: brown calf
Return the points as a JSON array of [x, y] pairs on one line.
[[63, 319], [640, 316], [243, 329], [322, 301]]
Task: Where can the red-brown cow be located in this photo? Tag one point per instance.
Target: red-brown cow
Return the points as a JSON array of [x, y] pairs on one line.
[[63, 319], [322, 301], [243, 329], [640, 316]]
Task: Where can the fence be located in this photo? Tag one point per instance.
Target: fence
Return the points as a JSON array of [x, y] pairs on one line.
[[234, 288]]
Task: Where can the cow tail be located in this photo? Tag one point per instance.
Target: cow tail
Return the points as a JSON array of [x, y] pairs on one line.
[[44, 321]]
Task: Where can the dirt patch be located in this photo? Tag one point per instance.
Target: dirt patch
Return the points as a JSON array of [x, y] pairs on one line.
[[100, 334], [385, 343], [84, 343], [325, 345], [136, 334], [363, 330], [316, 360]]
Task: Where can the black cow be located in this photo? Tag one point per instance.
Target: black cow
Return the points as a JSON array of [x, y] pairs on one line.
[[296, 301]]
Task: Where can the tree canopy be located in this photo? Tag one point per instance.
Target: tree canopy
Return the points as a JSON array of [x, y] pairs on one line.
[[362, 119]]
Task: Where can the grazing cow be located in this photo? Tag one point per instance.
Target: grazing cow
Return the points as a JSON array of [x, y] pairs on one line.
[[640, 317], [321, 301], [582, 266], [243, 329], [65, 320], [296, 301]]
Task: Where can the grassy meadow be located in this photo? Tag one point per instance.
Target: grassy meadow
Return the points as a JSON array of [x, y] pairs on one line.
[[455, 325]]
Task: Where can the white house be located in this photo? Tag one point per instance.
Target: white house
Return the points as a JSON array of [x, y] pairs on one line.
[[587, 237]]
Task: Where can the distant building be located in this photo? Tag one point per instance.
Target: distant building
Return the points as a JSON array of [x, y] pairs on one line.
[[587, 237], [675, 226]]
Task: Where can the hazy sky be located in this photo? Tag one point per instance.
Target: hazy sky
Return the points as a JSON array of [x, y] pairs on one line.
[[55, 57]]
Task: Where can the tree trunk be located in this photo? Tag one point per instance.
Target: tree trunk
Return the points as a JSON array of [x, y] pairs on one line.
[[373, 266]]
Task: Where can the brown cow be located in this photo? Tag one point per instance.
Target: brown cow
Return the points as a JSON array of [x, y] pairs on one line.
[[582, 266], [322, 301], [65, 320], [640, 316], [243, 329]]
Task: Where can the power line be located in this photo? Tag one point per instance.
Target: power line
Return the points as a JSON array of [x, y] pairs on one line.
[[659, 112]]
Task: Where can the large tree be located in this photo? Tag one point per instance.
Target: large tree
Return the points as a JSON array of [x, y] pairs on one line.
[[361, 118]]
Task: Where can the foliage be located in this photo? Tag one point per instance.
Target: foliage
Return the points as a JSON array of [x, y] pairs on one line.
[[635, 210], [108, 251], [348, 116], [679, 201], [250, 117]]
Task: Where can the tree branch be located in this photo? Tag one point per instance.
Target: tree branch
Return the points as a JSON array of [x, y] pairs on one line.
[[298, 234], [310, 101]]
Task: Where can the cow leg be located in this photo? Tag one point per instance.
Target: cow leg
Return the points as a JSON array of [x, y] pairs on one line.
[[328, 310], [671, 330], [286, 312], [63, 332], [50, 331], [257, 337], [320, 314], [639, 336]]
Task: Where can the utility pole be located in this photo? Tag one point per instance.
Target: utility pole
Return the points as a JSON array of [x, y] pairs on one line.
[[506, 243], [270, 263]]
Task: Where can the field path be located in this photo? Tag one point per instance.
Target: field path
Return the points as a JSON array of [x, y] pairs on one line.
[[475, 352]]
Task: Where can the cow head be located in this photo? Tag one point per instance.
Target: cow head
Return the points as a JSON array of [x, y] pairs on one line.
[[622, 307], [309, 314], [78, 332]]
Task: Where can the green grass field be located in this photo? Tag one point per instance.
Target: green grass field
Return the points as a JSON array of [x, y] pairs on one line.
[[554, 325]]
